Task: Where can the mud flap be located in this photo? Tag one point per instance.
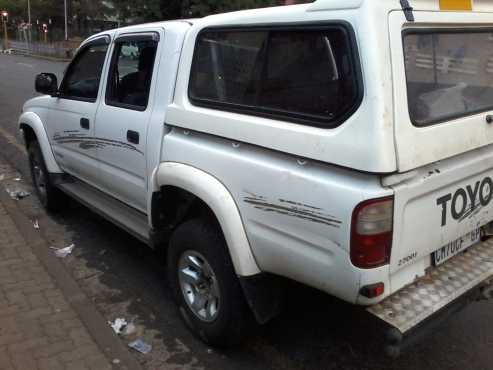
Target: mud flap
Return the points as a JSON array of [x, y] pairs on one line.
[[265, 295], [441, 287]]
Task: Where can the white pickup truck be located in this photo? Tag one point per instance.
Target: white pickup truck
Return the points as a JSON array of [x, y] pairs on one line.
[[342, 144]]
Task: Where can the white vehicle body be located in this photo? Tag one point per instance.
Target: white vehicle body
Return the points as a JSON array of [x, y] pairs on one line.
[[285, 193]]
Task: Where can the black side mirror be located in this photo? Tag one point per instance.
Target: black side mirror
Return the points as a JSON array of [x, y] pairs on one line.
[[46, 83]]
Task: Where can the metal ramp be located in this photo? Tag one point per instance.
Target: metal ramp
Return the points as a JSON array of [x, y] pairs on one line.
[[418, 301]]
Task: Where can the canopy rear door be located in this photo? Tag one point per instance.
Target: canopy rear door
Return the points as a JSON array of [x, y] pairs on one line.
[[442, 67]]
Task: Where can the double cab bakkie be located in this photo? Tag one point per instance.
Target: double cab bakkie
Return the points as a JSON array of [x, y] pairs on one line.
[[342, 144]]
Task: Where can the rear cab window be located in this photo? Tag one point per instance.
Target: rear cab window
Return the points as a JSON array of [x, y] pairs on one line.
[[307, 75], [449, 73], [131, 71]]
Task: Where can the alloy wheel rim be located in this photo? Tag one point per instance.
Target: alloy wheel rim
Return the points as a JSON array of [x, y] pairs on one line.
[[199, 285]]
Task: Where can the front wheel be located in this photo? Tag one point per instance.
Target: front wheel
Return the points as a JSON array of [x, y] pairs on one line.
[[48, 194], [205, 285]]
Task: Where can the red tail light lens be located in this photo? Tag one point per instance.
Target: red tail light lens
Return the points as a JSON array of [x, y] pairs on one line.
[[371, 233]]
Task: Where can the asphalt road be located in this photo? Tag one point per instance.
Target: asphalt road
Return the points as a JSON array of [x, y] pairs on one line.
[[125, 279]]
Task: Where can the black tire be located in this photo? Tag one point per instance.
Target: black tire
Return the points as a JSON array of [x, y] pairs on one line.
[[233, 317], [49, 196]]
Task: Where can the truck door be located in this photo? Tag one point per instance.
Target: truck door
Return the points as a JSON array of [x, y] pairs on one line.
[[122, 119], [70, 123]]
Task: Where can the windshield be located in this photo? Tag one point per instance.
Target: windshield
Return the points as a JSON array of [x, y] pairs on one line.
[[449, 74]]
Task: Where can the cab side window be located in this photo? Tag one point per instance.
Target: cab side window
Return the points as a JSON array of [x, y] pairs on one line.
[[307, 75], [83, 76], [131, 71]]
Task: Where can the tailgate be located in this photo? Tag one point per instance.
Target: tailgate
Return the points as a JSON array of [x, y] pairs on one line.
[[442, 69], [436, 205]]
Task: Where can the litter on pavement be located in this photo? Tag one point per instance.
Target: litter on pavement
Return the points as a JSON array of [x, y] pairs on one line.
[[141, 346], [63, 252], [36, 224], [129, 329], [118, 325], [18, 194], [17, 179], [121, 326]]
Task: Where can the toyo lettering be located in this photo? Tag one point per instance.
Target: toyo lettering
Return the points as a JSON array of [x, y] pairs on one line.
[[464, 201]]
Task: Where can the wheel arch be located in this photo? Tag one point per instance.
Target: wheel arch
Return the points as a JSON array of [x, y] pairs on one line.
[[176, 183], [32, 128]]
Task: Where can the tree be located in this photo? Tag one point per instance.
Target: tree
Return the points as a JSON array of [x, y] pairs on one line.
[[200, 8], [49, 9], [128, 11], [15, 8], [152, 10], [89, 9], [82, 12]]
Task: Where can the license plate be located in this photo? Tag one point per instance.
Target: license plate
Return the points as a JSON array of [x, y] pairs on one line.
[[451, 249]]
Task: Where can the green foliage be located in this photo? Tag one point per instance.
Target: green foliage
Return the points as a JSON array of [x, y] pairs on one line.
[[88, 8], [152, 10], [15, 8], [199, 8], [43, 10], [146, 11], [128, 11]]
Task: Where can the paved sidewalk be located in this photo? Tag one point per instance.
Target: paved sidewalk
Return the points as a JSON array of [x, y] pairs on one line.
[[38, 327]]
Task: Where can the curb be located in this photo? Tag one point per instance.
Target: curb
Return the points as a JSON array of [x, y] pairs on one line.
[[38, 56], [94, 322], [53, 59]]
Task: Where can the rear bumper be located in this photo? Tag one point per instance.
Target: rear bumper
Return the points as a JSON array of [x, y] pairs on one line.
[[440, 288]]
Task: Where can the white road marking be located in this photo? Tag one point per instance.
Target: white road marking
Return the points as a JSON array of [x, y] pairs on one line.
[[25, 65]]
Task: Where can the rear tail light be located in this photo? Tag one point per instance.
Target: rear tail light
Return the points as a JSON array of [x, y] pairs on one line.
[[371, 233]]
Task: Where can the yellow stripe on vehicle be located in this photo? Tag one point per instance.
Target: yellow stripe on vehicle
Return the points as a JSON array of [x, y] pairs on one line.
[[455, 4]]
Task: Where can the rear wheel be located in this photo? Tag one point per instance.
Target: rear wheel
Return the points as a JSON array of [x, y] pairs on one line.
[[48, 194], [205, 285]]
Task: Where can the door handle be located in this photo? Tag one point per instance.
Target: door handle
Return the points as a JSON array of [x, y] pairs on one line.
[[84, 123], [132, 137]]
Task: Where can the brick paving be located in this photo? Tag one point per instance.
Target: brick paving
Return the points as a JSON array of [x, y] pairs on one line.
[[38, 327]]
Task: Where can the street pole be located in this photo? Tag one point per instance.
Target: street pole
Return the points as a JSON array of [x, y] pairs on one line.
[[29, 19], [6, 37], [66, 22], [29, 11]]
